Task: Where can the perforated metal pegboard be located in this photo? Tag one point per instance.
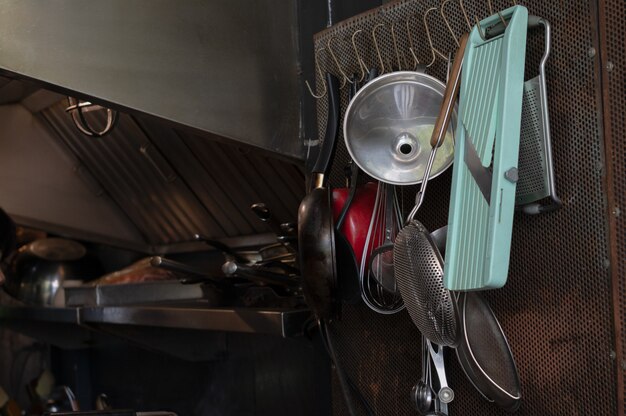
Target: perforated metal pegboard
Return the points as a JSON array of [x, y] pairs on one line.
[[556, 307], [613, 53]]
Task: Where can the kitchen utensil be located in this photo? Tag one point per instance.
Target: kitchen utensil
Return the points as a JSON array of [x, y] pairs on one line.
[[38, 269], [484, 353], [381, 259], [419, 274], [536, 168], [439, 237], [440, 408], [259, 273], [422, 393], [316, 236], [417, 262], [264, 214], [175, 266], [374, 294], [350, 235], [225, 249], [445, 393], [483, 198], [388, 123], [358, 217]]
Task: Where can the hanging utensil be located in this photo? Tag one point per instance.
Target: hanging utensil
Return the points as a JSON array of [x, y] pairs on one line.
[[422, 392], [419, 273], [374, 294], [484, 353], [445, 393], [417, 262], [388, 124], [381, 259], [482, 199], [264, 214], [316, 235], [354, 205], [347, 266], [536, 168]]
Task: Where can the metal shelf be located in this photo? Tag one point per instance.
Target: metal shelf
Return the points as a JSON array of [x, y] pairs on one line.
[[285, 323]]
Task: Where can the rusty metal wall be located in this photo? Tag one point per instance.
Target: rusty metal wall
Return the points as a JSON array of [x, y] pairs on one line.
[[613, 65], [556, 308]]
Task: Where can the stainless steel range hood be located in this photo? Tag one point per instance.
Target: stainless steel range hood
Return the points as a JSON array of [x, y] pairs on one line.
[[226, 68]]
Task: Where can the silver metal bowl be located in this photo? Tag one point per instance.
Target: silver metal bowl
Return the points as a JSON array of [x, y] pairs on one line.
[[388, 125]]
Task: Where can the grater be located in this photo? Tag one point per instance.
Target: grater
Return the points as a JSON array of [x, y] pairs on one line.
[[536, 171], [482, 200]]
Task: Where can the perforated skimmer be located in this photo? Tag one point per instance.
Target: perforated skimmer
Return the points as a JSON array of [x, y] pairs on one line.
[[419, 275], [417, 262]]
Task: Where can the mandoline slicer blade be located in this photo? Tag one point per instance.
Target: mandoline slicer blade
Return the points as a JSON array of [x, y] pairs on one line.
[[482, 199]]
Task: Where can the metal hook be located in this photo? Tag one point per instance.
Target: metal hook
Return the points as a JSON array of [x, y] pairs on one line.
[[469, 26], [359, 60], [332, 54], [416, 61], [480, 30], [319, 71], [445, 19], [490, 7], [395, 47], [380, 57], [499, 14], [430, 40]]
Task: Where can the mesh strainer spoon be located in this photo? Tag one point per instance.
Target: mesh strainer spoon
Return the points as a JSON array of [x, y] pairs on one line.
[[417, 262]]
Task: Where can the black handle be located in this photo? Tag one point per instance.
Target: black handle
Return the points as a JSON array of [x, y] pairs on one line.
[[322, 165], [499, 28], [264, 214], [221, 247]]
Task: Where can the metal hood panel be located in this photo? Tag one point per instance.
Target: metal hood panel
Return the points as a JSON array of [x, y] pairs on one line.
[[44, 187], [173, 185], [227, 68]]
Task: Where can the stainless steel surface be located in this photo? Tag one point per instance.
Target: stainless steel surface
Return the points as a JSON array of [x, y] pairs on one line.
[[422, 391], [77, 108], [382, 260], [389, 123], [56, 249], [41, 184], [132, 294], [381, 298], [286, 323], [419, 273], [446, 112], [445, 393], [536, 165], [38, 271], [175, 266], [164, 211], [34, 313], [172, 184], [278, 322], [201, 64], [484, 353]]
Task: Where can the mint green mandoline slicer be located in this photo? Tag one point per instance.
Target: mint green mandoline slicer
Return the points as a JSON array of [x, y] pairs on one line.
[[482, 199]]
